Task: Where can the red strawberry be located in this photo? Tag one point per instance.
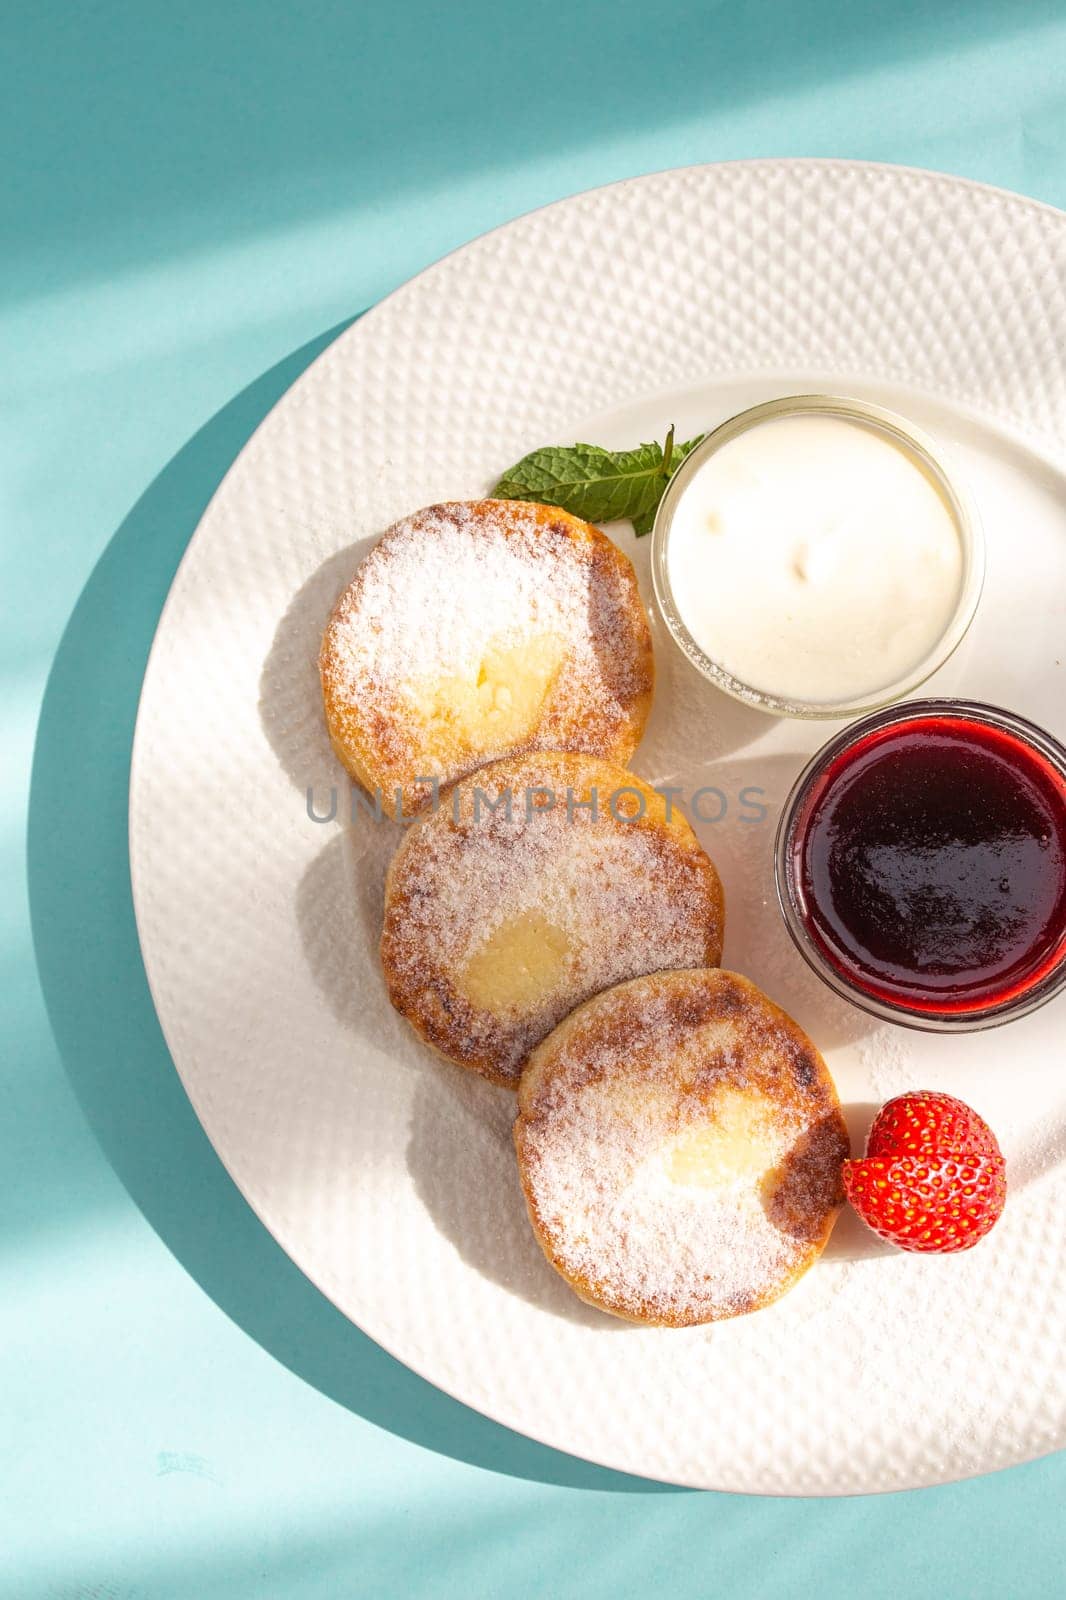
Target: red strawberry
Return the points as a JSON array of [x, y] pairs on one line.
[[934, 1202], [926, 1123]]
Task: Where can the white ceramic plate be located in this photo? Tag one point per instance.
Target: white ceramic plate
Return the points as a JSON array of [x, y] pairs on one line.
[[387, 1175]]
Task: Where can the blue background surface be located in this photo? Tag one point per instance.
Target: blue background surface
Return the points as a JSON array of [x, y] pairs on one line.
[[194, 201]]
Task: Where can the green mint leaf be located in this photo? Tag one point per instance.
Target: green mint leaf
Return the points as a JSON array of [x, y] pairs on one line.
[[595, 484], [682, 450], [673, 455], [645, 522]]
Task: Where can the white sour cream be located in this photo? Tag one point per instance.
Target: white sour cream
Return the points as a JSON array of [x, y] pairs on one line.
[[813, 559]]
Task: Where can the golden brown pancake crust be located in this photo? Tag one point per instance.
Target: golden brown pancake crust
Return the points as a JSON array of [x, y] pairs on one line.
[[480, 629], [480, 909], [669, 1076]]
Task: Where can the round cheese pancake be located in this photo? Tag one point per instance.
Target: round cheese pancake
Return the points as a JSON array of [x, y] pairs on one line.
[[680, 1144], [515, 900], [476, 630]]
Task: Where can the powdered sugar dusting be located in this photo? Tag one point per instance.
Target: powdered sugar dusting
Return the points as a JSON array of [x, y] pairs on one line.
[[445, 582], [623, 898], [885, 1057], [607, 1098]]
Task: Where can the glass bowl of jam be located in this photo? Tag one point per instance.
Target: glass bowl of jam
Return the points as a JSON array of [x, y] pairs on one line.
[[921, 865]]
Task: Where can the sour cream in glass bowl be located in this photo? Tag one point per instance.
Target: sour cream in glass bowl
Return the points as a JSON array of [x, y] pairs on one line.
[[814, 558]]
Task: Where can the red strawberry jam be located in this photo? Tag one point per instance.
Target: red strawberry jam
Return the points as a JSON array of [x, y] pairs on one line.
[[926, 859]]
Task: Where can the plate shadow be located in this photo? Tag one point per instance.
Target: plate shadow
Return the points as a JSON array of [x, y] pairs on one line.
[[101, 1011]]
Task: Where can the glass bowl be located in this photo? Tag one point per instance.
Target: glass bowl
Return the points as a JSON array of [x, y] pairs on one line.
[[1031, 989], [926, 455]]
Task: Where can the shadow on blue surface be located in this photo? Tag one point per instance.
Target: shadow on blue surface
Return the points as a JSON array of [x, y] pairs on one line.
[[98, 1001]]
